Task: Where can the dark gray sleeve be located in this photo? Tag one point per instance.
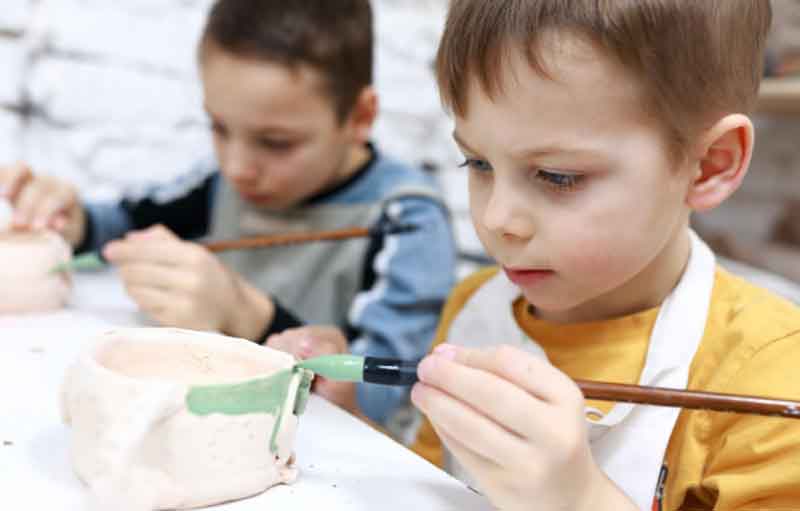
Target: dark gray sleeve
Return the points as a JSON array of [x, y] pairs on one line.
[[184, 207]]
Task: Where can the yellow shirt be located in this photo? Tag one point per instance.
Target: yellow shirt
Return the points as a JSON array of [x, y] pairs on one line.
[[718, 461]]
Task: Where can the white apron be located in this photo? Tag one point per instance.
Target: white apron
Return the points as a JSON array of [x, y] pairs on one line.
[[629, 443]]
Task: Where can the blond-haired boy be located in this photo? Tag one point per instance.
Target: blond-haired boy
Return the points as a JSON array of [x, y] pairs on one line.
[[592, 130]]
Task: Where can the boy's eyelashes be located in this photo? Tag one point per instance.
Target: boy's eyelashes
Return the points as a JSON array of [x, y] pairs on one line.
[[559, 181], [218, 129], [272, 144], [476, 164]]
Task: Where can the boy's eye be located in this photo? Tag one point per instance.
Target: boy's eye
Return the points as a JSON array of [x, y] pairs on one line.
[[477, 165], [274, 145], [218, 129], [560, 182]]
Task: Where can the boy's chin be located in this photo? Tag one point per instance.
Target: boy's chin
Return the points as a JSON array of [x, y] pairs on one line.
[[269, 202], [255, 198], [548, 307]]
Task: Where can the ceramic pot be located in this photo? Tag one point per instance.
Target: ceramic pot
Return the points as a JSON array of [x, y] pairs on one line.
[[175, 419], [26, 261]]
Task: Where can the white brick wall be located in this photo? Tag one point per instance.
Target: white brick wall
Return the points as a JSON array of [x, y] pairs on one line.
[[15, 15], [10, 136], [142, 34], [13, 55], [106, 93]]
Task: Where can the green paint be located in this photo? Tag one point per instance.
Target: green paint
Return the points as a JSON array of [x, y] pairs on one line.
[[264, 395], [86, 262], [336, 367], [303, 392]]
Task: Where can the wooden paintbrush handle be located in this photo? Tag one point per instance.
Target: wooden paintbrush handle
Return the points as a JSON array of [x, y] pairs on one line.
[[286, 239], [696, 400]]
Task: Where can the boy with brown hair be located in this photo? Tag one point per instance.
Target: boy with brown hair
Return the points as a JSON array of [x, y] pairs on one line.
[[592, 130], [288, 88]]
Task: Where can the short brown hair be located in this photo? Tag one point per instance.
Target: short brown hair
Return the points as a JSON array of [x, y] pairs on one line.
[[695, 58], [333, 37]]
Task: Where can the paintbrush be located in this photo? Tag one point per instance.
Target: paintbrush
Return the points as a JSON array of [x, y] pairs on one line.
[[385, 227], [403, 372]]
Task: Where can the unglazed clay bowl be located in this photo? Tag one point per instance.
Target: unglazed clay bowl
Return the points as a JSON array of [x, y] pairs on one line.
[[26, 261], [176, 419]]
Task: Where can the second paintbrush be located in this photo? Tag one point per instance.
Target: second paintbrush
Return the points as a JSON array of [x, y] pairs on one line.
[[95, 260], [403, 372]]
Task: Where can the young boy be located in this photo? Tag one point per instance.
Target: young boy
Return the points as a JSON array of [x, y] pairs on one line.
[[287, 86], [591, 131]]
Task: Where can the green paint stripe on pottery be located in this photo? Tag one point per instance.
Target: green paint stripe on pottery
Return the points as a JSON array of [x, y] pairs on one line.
[[264, 395]]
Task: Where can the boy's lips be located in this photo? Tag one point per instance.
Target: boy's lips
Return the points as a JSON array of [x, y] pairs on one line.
[[254, 197], [527, 277]]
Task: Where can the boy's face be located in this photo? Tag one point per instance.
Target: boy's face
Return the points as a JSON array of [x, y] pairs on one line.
[[276, 134], [572, 189]]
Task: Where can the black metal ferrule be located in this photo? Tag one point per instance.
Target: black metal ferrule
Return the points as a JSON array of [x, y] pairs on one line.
[[390, 371]]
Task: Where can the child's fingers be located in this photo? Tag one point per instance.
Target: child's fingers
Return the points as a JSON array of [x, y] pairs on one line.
[[13, 180], [155, 232], [26, 202], [463, 423], [286, 343], [149, 275], [304, 343], [50, 207], [529, 372], [163, 252], [476, 465], [155, 302], [59, 222], [487, 393]]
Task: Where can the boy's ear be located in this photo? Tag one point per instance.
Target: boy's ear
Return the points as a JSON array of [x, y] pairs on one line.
[[363, 115], [722, 160]]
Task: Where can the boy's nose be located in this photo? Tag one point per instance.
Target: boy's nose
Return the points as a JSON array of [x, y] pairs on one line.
[[504, 219], [239, 165]]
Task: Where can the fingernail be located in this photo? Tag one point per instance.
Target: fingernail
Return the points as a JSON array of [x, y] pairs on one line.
[[305, 347], [109, 250], [447, 351], [427, 367]]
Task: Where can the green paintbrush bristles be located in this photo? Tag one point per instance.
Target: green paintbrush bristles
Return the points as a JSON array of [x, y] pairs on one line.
[[85, 262], [341, 367]]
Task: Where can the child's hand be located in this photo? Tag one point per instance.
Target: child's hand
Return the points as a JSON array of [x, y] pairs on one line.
[[43, 202], [309, 341], [182, 284], [314, 341], [517, 426]]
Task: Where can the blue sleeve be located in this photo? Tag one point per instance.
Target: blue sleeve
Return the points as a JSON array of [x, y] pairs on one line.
[[183, 206], [398, 315], [104, 222]]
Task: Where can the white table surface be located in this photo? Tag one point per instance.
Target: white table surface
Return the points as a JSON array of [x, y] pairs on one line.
[[343, 463]]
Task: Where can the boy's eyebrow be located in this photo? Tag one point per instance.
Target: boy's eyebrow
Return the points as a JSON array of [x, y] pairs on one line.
[[463, 144], [260, 130], [538, 152]]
